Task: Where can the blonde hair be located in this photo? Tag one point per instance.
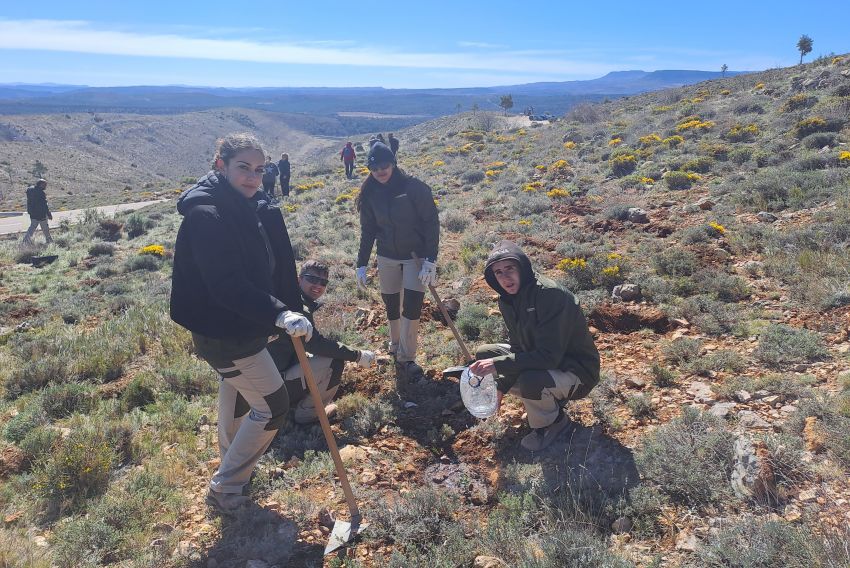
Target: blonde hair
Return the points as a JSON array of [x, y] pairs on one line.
[[228, 146]]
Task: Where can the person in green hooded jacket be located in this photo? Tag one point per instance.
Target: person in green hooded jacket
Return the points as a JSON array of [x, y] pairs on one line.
[[551, 357]]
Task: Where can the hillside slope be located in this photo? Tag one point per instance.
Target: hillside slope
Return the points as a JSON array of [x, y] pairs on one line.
[[718, 436]]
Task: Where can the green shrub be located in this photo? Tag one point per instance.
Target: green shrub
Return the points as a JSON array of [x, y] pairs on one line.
[[623, 164], [139, 393], [662, 376], [137, 225], [818, 140], [689, 459], [20, 425], [674, 262], [702, 165], [781, 344], [36, 373], [188, 376], [643, 507], [368, 419], [456, 221], [681, 350], [101, 249], [78, 468], [109, 230], [142, 262], [796, 102], [709, 315], [741, 155], [474, 322], [760, 543], [640, 406], [677, 180], [472, 176], [39, 442]]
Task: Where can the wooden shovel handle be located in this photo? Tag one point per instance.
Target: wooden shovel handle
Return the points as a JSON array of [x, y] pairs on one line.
[[448, 318], [326, 426]]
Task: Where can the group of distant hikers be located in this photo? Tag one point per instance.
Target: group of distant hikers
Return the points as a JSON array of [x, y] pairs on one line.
[[348, 155], [236, 288]]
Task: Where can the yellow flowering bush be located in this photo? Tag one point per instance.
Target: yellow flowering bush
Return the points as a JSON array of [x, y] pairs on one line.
[[532, 186], [837, 60], [560, 165], [363, 171], [694, 123], [647, 180], [741, 133], [809, 126], [540, 167], [649, 139], [697, 100], [569, 145], [610, 271], [758, 86], [302, 187], [568, 264], [615, 141], [504, 138], [473, 135], [496, 165], [343, 197], [558, 193], [492, 173], [438, 163], [623, 164], [524, 222], [290, 207], [725, 92], [155, 250], [717, 227], [521, 132], [844, 158], [681, 180], [661, 109], [673, 141]]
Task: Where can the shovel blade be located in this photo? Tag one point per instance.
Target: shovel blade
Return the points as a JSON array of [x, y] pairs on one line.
[[455, 372], [343, 533]]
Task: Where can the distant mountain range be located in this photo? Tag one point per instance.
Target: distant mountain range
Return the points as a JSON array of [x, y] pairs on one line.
[[418, 104]]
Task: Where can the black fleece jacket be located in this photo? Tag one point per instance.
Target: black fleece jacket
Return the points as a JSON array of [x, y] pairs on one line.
[[283, 352], [401, 216], [232, 275], [37, 203], [546, 328]]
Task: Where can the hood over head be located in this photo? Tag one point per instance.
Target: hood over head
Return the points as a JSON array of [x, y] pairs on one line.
[[508, 250], [202, 193]]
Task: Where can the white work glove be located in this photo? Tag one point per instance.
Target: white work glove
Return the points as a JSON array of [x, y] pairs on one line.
[[428, 274], [366, 359], [360, 274], [295, 324]]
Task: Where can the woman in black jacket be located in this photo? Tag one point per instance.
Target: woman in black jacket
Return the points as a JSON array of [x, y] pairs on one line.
[[398, 211], [234, 284]]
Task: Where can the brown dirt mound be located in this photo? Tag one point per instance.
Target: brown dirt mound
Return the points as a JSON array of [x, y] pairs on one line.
[[616, 318]]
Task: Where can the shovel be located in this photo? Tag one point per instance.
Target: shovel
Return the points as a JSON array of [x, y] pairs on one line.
[[448, 318], [343, 532]]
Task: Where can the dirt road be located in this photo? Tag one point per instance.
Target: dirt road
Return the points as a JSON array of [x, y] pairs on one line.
[[20, 223]]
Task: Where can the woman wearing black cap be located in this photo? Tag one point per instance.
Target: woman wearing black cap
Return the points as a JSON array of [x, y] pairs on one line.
[[398, 211]]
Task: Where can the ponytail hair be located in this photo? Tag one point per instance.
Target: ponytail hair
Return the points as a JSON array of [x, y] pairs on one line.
[[228, 146]]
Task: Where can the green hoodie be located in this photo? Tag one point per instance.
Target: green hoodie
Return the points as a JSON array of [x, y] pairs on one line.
[[546, 327]]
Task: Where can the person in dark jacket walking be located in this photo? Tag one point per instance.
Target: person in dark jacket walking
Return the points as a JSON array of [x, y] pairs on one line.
[[38, 210], [233, 285], [393, 142], [347, 155], [398, 211], [283, 167], [327, 359], [551, 357], [270, 173]]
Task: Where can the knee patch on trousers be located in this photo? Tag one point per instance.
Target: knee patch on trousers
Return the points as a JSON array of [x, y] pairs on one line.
[[532, 383], [278, 402], [337, 365], [242, 407], [412, 304], [393, 305]]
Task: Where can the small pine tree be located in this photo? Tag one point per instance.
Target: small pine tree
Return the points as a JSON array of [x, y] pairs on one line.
[[506, 102], [723, 69], [804, 46], [38, 169]]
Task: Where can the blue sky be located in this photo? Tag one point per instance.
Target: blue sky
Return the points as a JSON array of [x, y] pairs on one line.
[[400, 44]]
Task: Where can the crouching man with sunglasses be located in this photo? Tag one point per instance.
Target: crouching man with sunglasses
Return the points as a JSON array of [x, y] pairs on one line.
[[327, 357]]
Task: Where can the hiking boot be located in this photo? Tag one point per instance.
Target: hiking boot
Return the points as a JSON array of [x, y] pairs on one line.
[[409, 371], [540, 438], [226, 502]]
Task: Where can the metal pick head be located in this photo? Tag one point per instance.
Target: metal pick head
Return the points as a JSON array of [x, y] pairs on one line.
[[343, 533]]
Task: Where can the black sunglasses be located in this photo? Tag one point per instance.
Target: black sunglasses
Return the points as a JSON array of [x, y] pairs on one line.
[[378, 167], [313, 279]]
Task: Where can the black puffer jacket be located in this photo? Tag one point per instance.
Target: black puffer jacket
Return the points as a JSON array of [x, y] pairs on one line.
[[546, 327], [37, 203], [230, 281], [401, 216]]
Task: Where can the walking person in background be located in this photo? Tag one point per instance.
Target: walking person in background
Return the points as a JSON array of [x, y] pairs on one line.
[[270, 172], [398, 212], [380, 138], [327, 357], [550, 358], [348, 156], [393, 143], [38, 211], [372, 141], [233, 285], [283, 167]]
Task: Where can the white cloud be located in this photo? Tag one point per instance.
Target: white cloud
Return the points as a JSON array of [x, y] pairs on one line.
[[480, 45], [84, 37]]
